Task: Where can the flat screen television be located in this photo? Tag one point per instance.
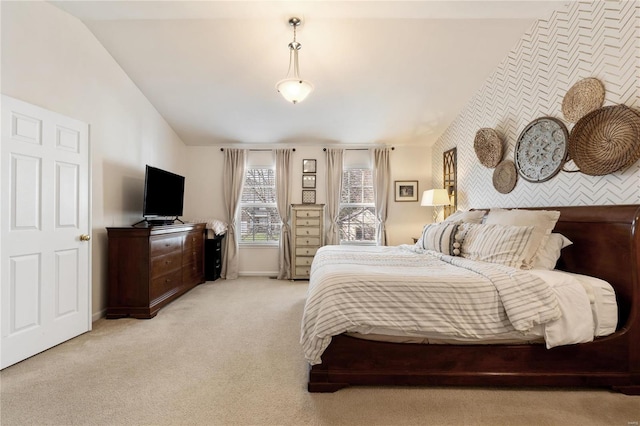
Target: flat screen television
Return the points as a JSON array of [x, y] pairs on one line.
[[163, 196]]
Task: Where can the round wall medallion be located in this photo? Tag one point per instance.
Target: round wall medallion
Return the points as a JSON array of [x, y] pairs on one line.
[[541, 149], [582, 98], [488, 147], [504, 177]]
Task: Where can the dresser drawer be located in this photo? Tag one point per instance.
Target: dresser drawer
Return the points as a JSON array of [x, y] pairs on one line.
[[308, 222], [307, 241], [302, 271], [306, 251], [308, 213], [165, 245], [303, 231], [160, 265], [193, 256], [192, 273], [164, 284], [193, 242], [304, 260]]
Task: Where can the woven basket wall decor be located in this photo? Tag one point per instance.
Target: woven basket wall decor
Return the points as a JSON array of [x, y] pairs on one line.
[[505, 177], [605, 140], [488, 147], [582, 98]]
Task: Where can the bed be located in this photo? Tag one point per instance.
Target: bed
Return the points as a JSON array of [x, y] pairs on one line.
[[606, 245]]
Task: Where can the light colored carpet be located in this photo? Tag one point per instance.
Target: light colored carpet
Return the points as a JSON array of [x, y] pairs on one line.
[[227, 353]]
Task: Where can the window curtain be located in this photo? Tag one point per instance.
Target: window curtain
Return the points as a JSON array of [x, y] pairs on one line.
[[283, 198], [232, 182], [334, 190], [381, 176]]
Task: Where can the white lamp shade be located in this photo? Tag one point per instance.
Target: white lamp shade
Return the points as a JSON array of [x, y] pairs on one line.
[[435, 197], [294, 89]]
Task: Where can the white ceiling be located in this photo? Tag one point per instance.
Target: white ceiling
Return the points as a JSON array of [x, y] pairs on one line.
[[392, 72]]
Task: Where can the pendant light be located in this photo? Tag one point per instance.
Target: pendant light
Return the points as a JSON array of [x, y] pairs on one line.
[[293, 88]]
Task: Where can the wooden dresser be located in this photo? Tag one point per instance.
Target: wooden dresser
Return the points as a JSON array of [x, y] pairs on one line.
[[307, 232], [151, 266]]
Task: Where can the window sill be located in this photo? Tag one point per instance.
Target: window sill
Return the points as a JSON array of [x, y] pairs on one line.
[[257, 246]]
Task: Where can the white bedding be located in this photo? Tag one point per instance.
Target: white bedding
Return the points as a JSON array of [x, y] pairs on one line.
[[404, 291], [604, 306]]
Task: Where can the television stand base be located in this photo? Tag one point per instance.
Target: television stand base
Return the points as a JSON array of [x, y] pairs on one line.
[[158, 222]]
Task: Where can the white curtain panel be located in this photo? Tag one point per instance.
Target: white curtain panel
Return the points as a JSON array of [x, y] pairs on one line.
[[235, 161], [334, 189], [283, 197], [381, 176]]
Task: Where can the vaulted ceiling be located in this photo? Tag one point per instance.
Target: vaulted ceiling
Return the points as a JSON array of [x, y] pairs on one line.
[[385, 72]]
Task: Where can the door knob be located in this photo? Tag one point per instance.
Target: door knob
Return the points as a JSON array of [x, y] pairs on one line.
[[85, 237]]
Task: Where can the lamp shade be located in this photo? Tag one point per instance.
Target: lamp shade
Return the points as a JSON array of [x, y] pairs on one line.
[[435, 197], [294, 89]]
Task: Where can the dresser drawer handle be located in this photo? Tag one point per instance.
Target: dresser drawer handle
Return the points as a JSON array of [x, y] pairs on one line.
[[307, 213], [166, 262]]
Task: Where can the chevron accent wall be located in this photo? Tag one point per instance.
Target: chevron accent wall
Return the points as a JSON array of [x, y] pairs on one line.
[[588, 39]]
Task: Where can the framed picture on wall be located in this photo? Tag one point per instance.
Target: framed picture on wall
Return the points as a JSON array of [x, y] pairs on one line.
[[308, 196], [406, 190], [308, 166], [308, 181]]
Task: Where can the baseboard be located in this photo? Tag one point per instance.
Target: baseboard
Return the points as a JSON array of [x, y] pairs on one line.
[[97, 315], [258, 274]]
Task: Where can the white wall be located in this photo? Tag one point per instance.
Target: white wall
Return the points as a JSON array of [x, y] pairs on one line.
[[50, 59], [598, 39], [204, 193]]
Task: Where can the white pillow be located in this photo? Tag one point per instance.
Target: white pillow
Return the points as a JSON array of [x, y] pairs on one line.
[[549, 252], [440, 237], [475, 216], [503, 244], [543, 222]]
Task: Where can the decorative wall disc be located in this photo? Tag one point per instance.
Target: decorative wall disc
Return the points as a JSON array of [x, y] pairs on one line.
[[582, 98], [606, 140], [504, 177], [541, 149], [488, 147]]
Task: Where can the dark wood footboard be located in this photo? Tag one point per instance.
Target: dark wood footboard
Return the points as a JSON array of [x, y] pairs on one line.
[[606, 245]]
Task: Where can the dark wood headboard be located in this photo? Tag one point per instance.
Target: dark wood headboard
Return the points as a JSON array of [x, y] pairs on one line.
[[606, 245]]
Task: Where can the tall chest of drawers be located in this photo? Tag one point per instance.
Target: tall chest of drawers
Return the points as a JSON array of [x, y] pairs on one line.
[[307, 228], [149, 267]]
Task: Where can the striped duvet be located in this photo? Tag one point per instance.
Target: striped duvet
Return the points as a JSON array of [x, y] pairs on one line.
[[409, 290]]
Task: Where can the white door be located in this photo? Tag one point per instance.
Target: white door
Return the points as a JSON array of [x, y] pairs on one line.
[[45, 223]]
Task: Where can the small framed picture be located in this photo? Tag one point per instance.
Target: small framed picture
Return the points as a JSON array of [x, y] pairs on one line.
[[308, 166], [308, 181], [406, 190], [308, 196]]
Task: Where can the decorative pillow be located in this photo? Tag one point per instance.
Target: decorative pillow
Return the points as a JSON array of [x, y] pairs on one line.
[[543, 222], [549, 252], [440, 237], [503, 244], [475, 216]]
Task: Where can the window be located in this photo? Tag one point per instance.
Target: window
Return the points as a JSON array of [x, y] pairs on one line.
[[357, 216], [259, 219]]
